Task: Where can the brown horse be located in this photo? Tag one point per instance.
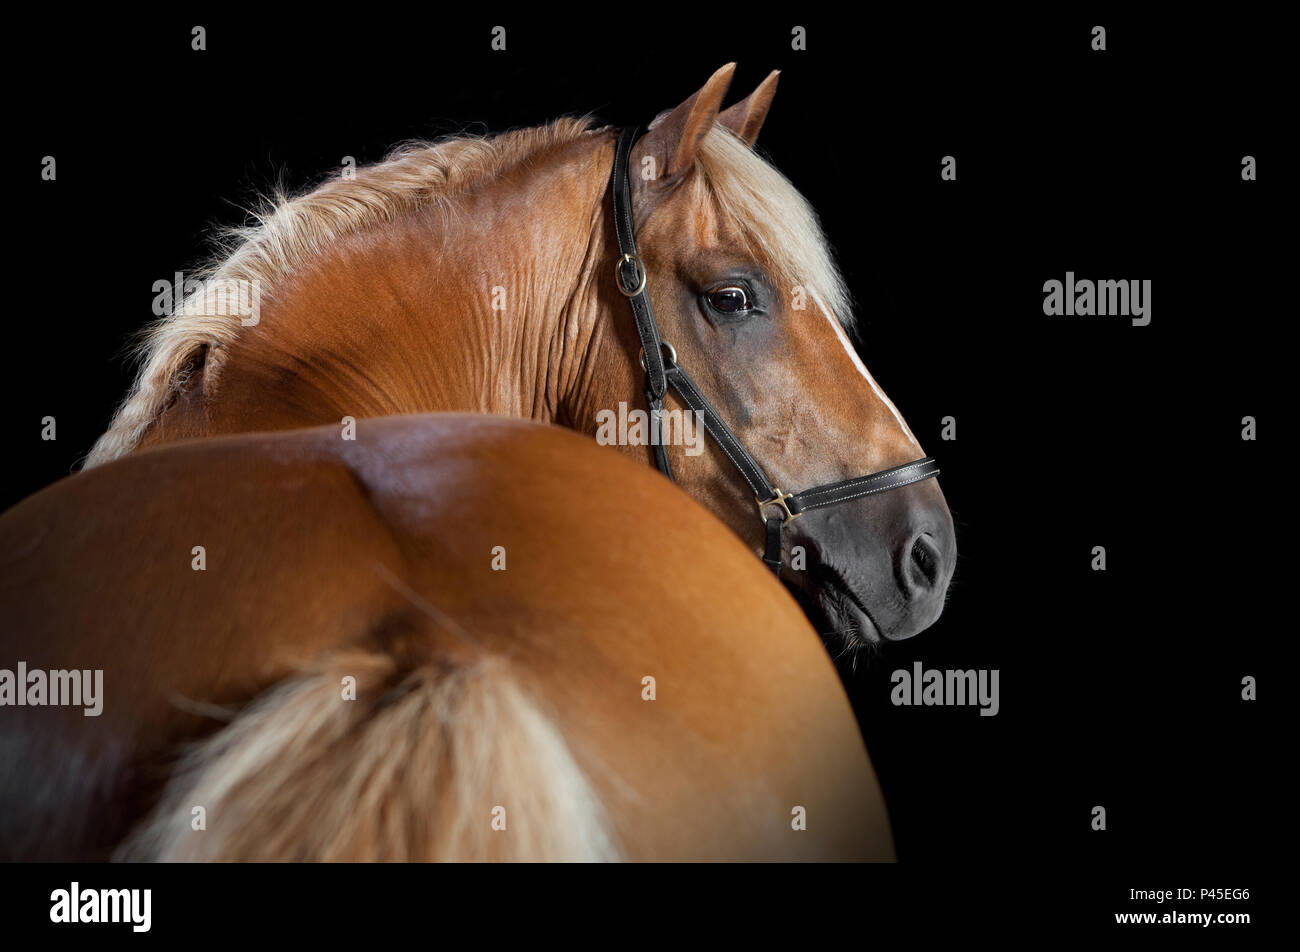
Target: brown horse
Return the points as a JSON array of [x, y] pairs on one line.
[[445, 639], [476, 275]]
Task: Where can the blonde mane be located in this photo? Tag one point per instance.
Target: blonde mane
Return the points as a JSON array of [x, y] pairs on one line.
[[286, 233]]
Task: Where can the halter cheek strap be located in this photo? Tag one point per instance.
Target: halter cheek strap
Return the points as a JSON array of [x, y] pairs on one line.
[[775, 507]]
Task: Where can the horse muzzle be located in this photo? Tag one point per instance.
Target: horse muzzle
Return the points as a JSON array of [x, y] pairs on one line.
[[874, 569]]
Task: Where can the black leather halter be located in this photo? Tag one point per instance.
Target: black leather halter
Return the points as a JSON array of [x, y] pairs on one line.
[[630, 276]]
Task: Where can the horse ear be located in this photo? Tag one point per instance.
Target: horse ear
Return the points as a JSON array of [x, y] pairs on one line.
[[746, 117], [674, 139]]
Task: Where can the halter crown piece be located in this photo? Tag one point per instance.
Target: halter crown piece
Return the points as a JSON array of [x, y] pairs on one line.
[[775, 508]]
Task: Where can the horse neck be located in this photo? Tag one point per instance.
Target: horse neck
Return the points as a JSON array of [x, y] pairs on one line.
[[486, 304]]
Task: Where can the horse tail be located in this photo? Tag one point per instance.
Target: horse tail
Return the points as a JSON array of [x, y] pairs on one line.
[[439, 760]]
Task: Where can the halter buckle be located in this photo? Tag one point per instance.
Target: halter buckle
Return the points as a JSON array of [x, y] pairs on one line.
[[778, 500], [671, 356], [638, 267]]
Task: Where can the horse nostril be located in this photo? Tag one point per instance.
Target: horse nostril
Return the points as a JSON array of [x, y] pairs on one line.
[[925, 560]]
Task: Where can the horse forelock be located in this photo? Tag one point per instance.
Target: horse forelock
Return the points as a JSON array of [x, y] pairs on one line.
[[777, 223]]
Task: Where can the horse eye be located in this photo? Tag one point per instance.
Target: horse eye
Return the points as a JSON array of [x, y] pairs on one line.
[[729, 300]]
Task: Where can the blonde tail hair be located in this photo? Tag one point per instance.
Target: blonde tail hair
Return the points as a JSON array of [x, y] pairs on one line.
[[421, 766]]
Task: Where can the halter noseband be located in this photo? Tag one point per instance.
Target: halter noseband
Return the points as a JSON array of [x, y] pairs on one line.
[[630, 277]]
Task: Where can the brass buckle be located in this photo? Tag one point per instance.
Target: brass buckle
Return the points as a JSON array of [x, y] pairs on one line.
[[639, 265], [778, 500]]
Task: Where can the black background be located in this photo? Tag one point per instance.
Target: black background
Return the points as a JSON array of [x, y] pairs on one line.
[[1118, 688]]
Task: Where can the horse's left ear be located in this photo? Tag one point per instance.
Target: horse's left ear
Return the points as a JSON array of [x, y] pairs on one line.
[[746, 117], [674, 139]]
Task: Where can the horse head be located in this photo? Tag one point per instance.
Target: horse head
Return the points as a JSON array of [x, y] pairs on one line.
[[748, 297]]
